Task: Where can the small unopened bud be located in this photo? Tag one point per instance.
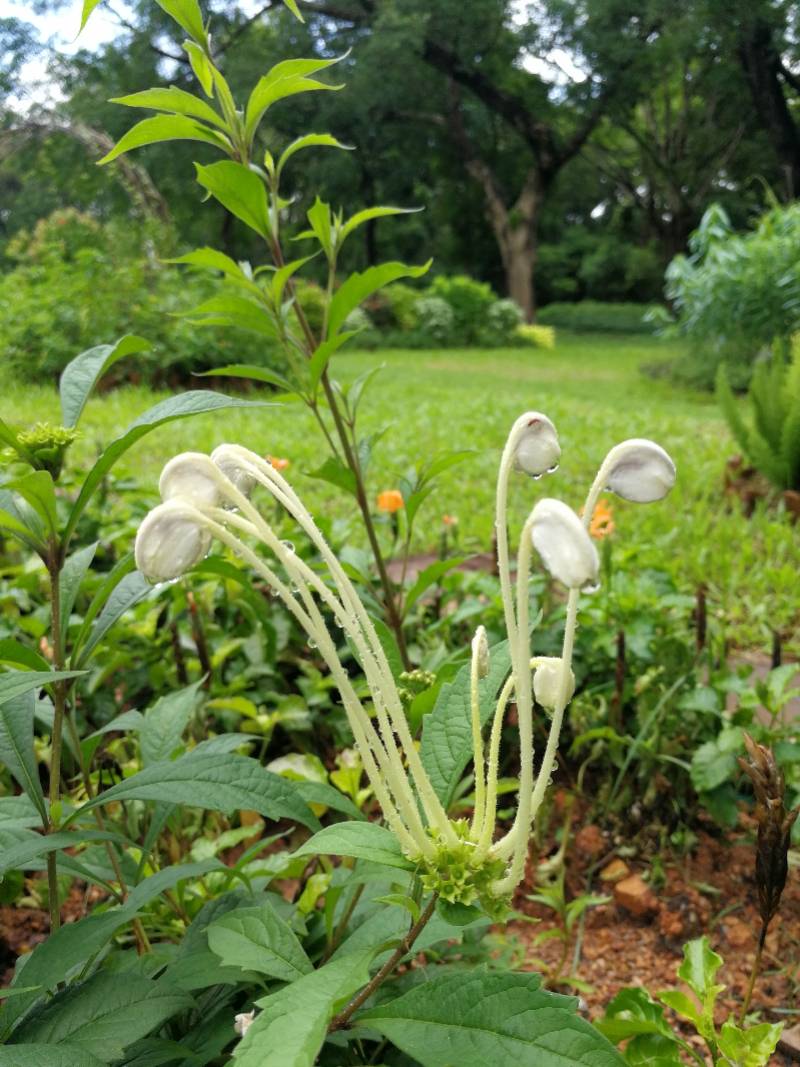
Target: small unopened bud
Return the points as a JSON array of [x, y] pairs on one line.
[[480, 651], [170, 541], [640, 470], [243, 1022], [547, 683], [230, 461], [537, 451], [192, 477], [564, 545]]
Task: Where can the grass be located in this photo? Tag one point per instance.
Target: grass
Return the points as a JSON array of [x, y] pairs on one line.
[[589, 385]]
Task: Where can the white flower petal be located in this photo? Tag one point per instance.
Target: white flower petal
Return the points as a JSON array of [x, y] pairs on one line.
[[191, 476], [640, 470], [230, 461], [547, 682], [243, 1021], [566, 549], [170, 541], [537, 449]]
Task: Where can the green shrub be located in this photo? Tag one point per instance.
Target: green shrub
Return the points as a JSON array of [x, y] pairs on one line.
[[392, 308], [312, 299], [470, 302], [771, 441], [591, 316], [502, 319], [735, 295], [76, 280], [436, 319], [535, 335]]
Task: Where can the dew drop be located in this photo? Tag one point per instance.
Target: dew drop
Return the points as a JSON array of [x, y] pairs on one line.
[[288, 545], [536, 477], [312, 643], [590, 587], [553, 469]]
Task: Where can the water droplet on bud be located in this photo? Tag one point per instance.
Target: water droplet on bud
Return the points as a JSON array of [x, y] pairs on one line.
[[590, 587], [288, 545]]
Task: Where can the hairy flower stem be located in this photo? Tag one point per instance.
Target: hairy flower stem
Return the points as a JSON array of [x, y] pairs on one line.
[[405, 946], [754, 973]]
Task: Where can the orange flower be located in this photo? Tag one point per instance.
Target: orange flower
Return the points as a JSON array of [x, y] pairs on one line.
[[602, 524], [390, 500], [278, 463], [450, 520]]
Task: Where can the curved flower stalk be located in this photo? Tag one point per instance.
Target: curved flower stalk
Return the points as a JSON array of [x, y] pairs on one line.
[[208, 497]]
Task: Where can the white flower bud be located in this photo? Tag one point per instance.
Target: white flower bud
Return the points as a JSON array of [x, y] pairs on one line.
[[639, 470], [230, 461], [537, 451], [566, 549], [170, 541], [547, 682], [243, 1021], [480, 651], [192, 477]]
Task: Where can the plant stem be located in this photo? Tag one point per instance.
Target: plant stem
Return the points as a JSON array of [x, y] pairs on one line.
[[754, 973], [344, 1016], [59, 704]]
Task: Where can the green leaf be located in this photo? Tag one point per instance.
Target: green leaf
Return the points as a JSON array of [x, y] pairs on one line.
[[427, 577], [211, 259], [174, 100], [295, 10], [291, 1027], [322, 356], [258, 939], [334, 471], [472, 1019], [447, 734], [16, 683], [752, 1047], [16, 740], [19, 856], [201, 65], [682, 1004], [319, 215], [284, 79], [75, 569], [18, 813], [311, 140], [165, 128], [20, 521], [715, 761], [164, 723], [19, 655], [214, 781], [104, 1015], [653, 1050], [196, 402], [633, 1011], [281, 277], [361, 840], [227, 309], [188, 16], [129, 591], [362, 284], [238, 189], [37, 489], [700, 965], [251, 371], [371, 213], [82, 374], [39, 1055]]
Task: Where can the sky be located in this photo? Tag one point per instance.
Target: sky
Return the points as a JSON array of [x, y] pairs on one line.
[[59, 30]]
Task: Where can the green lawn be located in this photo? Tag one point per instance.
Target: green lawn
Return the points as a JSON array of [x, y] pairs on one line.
[[592, 389]]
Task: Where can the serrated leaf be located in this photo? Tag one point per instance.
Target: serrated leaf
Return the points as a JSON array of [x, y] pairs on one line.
[[446, 747], [239, 190], [173, 100], [196, 402], [82, 373], [165, 128], [291, 1027], [371, 213], [164, 723], [105, 1014], [310, 140], [362, 284], [258, 939], [284, 79], [472, 1019], [215, 781], [361, 840]]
